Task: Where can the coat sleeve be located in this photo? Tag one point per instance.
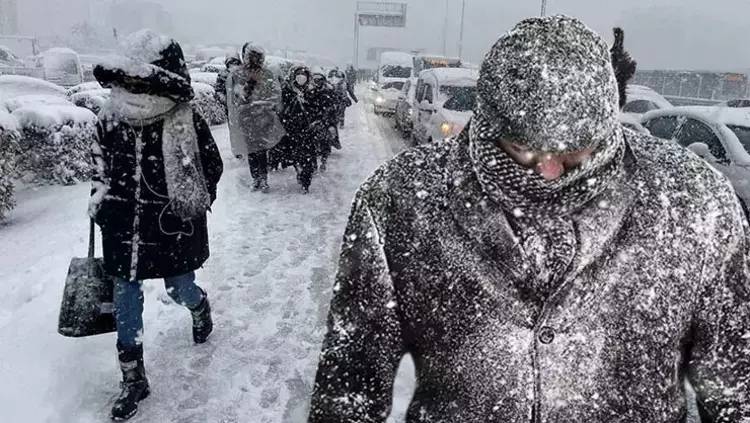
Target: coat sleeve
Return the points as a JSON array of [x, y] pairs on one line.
[[350, 90], [211, 161], [719, 366], [100, 180], [363, 346]]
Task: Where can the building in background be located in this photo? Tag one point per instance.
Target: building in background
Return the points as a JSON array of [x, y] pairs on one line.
[[127, 16]]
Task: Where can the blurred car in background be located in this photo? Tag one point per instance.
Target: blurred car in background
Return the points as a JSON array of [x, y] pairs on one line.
[[642, 100], [444, 103], [719, 135]]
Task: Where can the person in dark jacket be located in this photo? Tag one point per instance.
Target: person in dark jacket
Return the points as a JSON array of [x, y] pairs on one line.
[[547, 265], [220, 87], [323, 100], [297, 117], [157, 168], [345, 94], [351, 75]]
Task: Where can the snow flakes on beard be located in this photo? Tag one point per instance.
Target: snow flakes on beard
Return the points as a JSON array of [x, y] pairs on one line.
[[549, 82]]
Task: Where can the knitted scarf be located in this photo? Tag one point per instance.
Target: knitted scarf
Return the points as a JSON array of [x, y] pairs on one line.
[[539, 210], [186, 183]]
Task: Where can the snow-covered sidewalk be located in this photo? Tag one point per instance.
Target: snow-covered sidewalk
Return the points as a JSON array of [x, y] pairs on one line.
[[269, 279]]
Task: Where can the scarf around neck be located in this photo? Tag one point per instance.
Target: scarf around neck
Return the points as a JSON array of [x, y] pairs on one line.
[[186, 183], [541, 211]]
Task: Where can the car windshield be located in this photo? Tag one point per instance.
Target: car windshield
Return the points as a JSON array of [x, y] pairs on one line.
[[640, 106], [743, 133], [460, 99], [395, 71], [398, 85]]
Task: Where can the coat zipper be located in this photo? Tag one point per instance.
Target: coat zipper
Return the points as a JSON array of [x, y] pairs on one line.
[[135, 242]]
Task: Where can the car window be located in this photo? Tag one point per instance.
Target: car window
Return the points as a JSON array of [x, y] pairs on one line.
[[395, 71], [738, 103], [640, 107], [419, 96], [462, 99], [662, 127], [694, 131], [393, 86], [743, 134], [428, 93]]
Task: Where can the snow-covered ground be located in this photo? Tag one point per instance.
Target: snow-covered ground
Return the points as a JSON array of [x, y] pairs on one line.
[[269, 278]]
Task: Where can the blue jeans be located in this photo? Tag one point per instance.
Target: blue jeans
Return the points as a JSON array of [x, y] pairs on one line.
[[129, 304]]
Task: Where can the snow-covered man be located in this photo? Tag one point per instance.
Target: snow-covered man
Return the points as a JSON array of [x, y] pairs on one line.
[[157, 172], [546, 265]]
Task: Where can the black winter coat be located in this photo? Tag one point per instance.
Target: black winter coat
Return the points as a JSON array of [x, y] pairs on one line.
[[296, 114], [657, 294], [138, 229]]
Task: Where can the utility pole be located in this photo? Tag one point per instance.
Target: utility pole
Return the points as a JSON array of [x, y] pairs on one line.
[[445, 30], [461, 34], [544, 8]]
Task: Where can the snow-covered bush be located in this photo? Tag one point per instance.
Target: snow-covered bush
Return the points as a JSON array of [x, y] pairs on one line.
[[8, 149], [207, 104], [86, 86], [55, 143]]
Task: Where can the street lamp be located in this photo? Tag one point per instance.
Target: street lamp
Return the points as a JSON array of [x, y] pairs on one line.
[[544, 8], [461, 34]]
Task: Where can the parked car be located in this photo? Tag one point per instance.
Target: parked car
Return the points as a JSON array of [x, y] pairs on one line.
[[642, 100], [62, 66], [443, 103], [15, 85], [404, 116], [394, 70], [739, 103], [721, 136], [387, 95], [9, 59]]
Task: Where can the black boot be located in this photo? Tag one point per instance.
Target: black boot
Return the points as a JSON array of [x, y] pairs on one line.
[[134, 384], [202, 322]]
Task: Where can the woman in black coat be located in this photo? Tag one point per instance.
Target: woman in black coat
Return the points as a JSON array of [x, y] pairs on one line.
[[323, 99], [297, 117], [157, 172]]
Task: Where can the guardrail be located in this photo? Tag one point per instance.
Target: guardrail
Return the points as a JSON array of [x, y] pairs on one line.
[[691, 101]]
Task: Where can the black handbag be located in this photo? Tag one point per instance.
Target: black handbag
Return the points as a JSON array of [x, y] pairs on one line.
[[88, 300]]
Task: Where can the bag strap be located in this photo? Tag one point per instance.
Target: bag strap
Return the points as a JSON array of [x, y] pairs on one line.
[[92, 240]]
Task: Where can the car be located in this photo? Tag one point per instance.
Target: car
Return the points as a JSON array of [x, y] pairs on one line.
[[387, 94], [62, 66], [16, 85], [405, 107], [9, 59], [719, 135], [443, 103], [641, 100], [739, 103]]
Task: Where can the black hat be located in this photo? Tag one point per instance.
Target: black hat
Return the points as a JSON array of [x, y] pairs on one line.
[[149, 63]]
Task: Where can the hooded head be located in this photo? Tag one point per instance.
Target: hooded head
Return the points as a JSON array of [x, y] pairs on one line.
[[148, 63], [232, 61], [253, 56], [299, 76], [548, 85]]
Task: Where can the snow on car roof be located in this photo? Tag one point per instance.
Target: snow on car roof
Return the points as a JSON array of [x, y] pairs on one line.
[[456, 77], [639, 92], [45, 116], [719, 115], [398, 58], [201, 87], [17, 85]]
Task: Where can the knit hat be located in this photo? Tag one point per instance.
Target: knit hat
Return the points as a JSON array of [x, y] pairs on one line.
[[549, 85], [149, 63]]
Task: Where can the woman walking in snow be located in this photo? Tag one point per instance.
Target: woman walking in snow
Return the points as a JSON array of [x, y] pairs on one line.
[[297, 117], [157, 172]]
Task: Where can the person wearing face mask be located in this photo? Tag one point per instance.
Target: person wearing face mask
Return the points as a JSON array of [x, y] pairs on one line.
[[323, 98], [546, 265], [344, 92], [157, 168], [297, 116], [253, 96]]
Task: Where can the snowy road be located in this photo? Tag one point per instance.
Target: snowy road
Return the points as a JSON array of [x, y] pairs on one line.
[[269, 278]]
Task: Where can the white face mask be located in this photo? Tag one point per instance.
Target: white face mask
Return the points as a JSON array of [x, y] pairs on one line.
[[335, 80], [301, 79]]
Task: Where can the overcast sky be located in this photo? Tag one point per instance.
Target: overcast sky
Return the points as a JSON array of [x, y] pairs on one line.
[[691, 34]]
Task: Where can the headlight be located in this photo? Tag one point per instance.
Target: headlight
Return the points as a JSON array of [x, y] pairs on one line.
[[446, 129], [410, 111], [380, 100]]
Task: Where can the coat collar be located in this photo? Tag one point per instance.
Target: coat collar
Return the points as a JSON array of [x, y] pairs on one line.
[[486, 224]]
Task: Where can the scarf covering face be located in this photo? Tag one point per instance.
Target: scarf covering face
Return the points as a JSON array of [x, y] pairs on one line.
[[549, 85], [186, 184]]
